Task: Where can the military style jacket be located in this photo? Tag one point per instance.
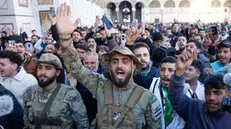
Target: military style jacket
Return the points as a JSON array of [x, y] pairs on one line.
[[67, 111], [146, 117]]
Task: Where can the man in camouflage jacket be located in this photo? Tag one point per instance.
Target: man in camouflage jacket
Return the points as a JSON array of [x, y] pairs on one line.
[[121, 65], [66, 111]]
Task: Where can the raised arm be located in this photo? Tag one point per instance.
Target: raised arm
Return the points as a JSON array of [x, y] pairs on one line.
[[180, 102], [70, 56]]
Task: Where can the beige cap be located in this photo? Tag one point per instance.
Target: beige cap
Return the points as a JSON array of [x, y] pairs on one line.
[[51, 59]]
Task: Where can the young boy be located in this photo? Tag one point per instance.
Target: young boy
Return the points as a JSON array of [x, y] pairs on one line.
[[224, 55]]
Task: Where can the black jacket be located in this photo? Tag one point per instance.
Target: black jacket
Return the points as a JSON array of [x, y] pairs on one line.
[[11, 112], [195, 111]]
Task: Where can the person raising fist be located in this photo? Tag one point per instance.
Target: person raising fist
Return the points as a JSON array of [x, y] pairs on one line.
[[199, 114]]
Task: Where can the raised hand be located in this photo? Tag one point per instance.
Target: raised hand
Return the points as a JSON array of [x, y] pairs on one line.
[[64, 24], [184, 61], [52, 19], [108, 31]]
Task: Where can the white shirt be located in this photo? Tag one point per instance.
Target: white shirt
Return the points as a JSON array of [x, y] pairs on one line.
[[200, 91], [19, 83], [224, 37], [177, 122]]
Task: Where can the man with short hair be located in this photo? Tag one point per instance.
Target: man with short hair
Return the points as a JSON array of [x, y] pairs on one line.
[[102, 49], [34, 39], [77, 37], [158, 39], [121, 102], [28, 62], [83, 32], [191, 77], [34, 32], [224, 35], [181, 44], [203, 34], [23, 35], [3, 40], [91, 61], [13, 76], [207, 68], [159, 87], [142, 52], [97, 35], [197, 113], [91, 44], [106, 38], [50, 104], [175, 33], [198, 38], [82, 49]]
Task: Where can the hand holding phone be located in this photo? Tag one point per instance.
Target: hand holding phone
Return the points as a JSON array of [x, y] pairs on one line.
[[52, 11], [107, 22], [123, 39]]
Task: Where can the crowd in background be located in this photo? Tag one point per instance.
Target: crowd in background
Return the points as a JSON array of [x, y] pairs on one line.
[[156, 45]]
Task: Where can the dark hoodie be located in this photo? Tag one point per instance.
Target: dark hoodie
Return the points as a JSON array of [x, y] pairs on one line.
[[11, 112], [195, 111]]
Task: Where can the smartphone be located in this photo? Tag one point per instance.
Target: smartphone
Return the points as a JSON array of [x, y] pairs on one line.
[[52, 11], [123, 39], [214, 30], [107, 22]]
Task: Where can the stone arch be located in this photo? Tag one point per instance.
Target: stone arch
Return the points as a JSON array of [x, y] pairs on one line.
[[111, 8], [184, 4], [111, 5], [227, 3], [138, 14], [125, 3], [101, 3], [155, 4], [169, 4], [125, 11], [216, 4], [139, 3]]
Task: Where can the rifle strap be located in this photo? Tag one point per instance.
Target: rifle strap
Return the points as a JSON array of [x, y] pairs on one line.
[[47, 106]]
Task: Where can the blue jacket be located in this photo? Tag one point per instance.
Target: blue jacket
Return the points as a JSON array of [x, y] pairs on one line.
[[195, 111], [11, 112]]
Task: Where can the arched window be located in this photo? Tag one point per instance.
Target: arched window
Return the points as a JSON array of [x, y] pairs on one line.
[[155, 4], [216, 4], [227, 3], [184, 4], [169, 4]]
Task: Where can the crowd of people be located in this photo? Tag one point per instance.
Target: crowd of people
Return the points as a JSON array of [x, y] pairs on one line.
[[132, 76]]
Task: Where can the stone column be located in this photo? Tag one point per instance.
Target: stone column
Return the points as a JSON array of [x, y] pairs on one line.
[[133, 14], [118, 15]]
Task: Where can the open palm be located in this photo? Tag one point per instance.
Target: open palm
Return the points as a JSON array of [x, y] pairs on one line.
[[64, 24]]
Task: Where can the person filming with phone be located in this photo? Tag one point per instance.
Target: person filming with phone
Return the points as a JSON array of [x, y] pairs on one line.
[[106, 37]]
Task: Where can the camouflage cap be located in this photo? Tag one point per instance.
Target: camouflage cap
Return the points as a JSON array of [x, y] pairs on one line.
[[51, 59], [106, 58]]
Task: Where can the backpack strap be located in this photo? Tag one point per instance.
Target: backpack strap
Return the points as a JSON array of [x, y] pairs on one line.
[[47, 106], [134, 97], [108, 94], [132, 100]]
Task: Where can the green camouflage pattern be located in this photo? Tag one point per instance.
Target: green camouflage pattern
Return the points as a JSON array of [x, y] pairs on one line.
[[148, 117], [106, 58], [51, 59], [66, 108]]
